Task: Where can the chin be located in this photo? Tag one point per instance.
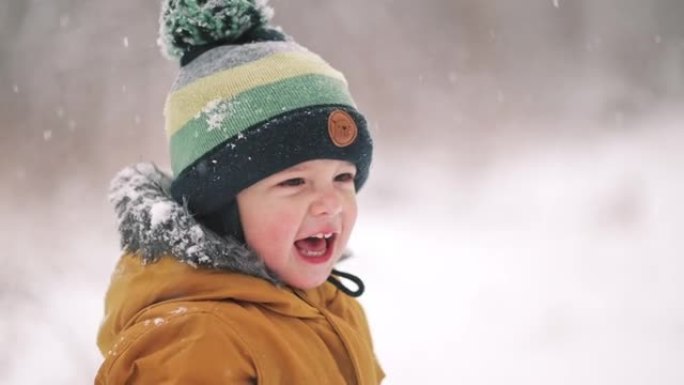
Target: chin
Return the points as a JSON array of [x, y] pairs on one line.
[[312, 282]]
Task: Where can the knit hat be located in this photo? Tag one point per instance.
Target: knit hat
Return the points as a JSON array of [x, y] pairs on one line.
[[249, 102]]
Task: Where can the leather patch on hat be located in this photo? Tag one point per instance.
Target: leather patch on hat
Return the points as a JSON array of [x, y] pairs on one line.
[[342, 128]]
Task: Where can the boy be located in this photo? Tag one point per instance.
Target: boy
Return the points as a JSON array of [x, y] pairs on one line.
[[227, 276]]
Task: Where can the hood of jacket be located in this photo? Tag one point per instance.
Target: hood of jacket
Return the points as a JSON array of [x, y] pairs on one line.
[[157, 233], [152, 224]]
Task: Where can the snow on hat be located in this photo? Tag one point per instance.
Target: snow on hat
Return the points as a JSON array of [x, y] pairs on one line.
[[249, 102]]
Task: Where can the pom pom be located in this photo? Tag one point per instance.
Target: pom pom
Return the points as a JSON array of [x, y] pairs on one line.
[[188, 24]]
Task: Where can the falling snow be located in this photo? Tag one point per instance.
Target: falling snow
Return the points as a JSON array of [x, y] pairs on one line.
[[531, 282]]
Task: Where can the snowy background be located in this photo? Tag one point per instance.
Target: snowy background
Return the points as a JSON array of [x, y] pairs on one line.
[[523, 223]]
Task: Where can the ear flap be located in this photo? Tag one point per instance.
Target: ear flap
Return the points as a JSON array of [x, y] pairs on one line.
[[232, 225], [225, 221]]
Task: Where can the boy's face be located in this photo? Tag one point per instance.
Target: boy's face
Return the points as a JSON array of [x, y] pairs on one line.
[[299, 220]]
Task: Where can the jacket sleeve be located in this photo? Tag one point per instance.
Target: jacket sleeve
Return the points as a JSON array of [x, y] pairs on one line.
[[193, 348]]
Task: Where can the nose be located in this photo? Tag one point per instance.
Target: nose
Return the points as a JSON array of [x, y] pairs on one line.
[[326, 203]]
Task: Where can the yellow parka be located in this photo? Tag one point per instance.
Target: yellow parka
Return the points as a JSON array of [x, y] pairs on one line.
[[203, 311]]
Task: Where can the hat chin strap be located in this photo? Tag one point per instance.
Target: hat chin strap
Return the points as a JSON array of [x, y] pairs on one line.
[[224, 222], [232, 225]]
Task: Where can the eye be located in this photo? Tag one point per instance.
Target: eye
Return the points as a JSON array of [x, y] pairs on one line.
[[345, 177], [293, 182]]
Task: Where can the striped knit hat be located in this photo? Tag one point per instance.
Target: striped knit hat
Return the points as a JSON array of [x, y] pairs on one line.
[[249, 102]]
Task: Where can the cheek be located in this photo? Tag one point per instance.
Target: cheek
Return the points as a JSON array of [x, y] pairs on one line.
[[283, 227], [350, 213], [274, 231]]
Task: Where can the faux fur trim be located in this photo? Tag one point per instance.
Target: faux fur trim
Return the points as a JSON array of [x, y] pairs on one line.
[[153, 225]]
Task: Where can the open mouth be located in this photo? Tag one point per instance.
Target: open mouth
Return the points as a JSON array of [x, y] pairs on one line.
[[317, 248]]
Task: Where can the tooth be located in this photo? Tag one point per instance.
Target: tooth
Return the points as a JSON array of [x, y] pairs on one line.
[[309, 253], [327, 236]]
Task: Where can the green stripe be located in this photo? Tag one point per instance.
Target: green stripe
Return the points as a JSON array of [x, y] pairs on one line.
[[250, 108]]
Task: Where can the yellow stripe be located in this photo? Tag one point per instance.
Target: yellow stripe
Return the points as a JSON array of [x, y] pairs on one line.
[[182, 105]]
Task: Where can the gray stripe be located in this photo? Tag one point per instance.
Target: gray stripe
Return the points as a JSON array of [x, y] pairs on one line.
[[226, 57]]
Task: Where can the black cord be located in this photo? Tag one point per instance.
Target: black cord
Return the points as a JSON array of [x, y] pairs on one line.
[[360, 287]]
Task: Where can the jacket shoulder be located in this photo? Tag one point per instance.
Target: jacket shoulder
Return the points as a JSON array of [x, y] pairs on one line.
[[178, 343]]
